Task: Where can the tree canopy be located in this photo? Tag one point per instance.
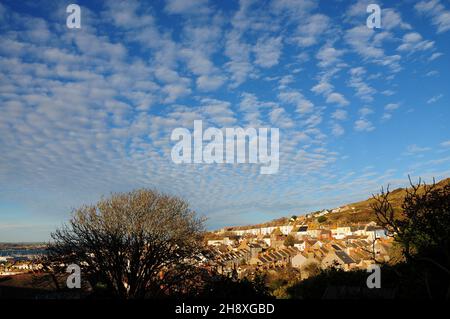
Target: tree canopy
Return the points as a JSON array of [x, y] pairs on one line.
[[136, 244]]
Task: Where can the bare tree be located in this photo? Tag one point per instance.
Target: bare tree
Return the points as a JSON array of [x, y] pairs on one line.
[[422, 227], [137, 244]]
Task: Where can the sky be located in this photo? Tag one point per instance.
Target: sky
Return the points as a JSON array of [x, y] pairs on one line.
[[87, 112]]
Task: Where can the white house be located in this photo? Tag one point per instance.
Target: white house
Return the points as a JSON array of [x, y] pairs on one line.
[[314, 233], [286, 229], [322, 213], [373, 232], [215, 242], [341, 232], [267, 240], [301, 245]]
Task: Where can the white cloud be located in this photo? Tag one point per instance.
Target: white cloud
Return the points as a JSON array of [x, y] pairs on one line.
[[337, 130], [302, 104], [415, 149], [392, 19], [239, 54], [309, 32], [125, 14], [268, 51], [368, 44], [413, 42], [364, 125], [435, 55], [280, 118], [339, 115], [391, 106], [328, 56], [322, 88], [187, 7], [440, 17], [294, 8], [432, 73], [337, 98], [210, 83], [435, 98], [363, 90], [96, 108]]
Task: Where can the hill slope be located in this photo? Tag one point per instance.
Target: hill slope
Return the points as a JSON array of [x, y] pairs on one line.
[[362, 211], [358, 212]]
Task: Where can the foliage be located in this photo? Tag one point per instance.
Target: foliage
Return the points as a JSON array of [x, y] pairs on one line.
[[311, 269], [321, 219], [221, 286], [135, 244], [422, 230], [290, 241]]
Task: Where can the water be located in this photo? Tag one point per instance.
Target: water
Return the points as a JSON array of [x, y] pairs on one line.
[[21, 252]]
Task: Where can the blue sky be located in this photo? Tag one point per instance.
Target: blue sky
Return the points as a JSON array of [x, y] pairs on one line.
[[86, 112]]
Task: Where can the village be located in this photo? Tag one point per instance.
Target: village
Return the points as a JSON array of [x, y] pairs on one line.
[[300, 244], [10, 265]]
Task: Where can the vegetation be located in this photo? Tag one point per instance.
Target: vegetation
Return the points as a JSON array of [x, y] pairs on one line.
[[321, 219], [131, 245], [290, 241], [144, 244], [421, 232], [250, 287]]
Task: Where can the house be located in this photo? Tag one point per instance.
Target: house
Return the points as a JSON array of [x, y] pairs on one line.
[[286, 229], [301, 231], [320, 253], [325, 234], [322, 213], [267, 240], [302, 260], [267, 230], [277, 238], [358, 230], [23, 266], [374, 232], [362, 258], [341, 232], [317, 244], [301, 245], [277, 242], [314, 233], [299, 260], [254, 249], [338, 259]]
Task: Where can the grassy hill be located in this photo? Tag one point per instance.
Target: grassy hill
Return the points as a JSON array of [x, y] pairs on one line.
[[361, 212], [354, 213]]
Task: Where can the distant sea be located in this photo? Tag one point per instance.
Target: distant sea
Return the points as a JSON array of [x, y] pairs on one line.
[[21, 252]]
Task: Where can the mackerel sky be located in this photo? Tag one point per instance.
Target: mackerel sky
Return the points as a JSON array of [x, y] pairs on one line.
[[86, 112]]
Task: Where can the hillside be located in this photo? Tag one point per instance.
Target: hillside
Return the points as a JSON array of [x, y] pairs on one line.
[[358, 212], [362, 211]]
